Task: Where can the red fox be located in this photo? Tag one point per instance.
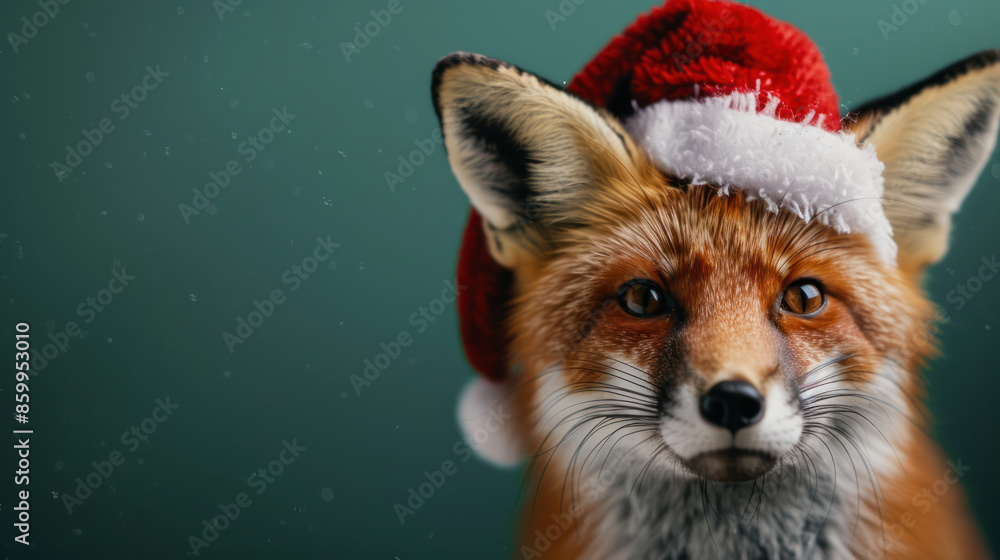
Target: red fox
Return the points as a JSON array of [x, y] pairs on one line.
[[698, 287]]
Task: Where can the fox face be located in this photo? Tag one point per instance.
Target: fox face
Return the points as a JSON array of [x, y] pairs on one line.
[[700, 369], [737, 336]]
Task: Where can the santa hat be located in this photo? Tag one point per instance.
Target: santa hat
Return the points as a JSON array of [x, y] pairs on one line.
[[715, 92]]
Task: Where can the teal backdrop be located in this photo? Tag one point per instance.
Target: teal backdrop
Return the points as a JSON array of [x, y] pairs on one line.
[[153, 405]]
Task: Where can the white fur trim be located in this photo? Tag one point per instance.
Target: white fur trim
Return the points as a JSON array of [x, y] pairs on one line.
[[485, 416], [725, 142]]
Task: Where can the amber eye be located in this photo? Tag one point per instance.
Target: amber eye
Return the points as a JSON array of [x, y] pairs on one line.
[[642, 298], [804, 297]]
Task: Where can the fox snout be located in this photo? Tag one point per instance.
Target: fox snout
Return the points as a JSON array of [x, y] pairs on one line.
[[732, 405]]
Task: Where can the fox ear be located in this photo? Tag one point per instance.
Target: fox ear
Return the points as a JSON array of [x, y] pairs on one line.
[[934, 138], [523, 150]]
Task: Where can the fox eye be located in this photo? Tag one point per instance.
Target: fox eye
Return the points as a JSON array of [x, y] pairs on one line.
[[642, 298], [804, 297]]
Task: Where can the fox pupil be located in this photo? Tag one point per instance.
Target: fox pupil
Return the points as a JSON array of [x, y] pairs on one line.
[[803, 298], [641, 298]]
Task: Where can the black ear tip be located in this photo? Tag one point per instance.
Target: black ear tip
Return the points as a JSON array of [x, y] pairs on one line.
[[461, 57], [977, 61], [452, 60]]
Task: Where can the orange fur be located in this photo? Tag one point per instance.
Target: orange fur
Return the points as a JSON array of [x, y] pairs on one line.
[[727, 260]]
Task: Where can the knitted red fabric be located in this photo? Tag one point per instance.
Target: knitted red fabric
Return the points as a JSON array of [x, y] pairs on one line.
[[690, 49], [483, 293]]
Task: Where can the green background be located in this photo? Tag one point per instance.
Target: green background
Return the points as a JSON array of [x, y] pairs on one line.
[[324, 176]]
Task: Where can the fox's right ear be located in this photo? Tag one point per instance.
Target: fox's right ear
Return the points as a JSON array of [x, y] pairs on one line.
[[524, 151]]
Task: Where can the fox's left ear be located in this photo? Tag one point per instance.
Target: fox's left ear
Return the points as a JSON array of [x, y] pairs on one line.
[[934, 138]]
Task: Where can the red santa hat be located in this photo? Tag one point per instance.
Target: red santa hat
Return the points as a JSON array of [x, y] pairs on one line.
[[717, 93]]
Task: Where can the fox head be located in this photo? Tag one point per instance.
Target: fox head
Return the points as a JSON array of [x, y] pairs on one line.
[[692, 331]]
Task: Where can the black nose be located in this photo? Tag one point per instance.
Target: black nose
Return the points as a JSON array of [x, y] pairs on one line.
[[732, 405]]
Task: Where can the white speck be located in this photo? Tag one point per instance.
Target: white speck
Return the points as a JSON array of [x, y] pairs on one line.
[[146, 132], [306, 46], [109, 339], [166, 150], [234, 135], [954, 17], [227, 373], [193, 297], [90, 77], [995, 170], [22, 137], [234, 103], [104, 212], [342, 154], [856, 51], [205, 58], [108, 164], [326, 493], [180, 10], [141, 217]]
